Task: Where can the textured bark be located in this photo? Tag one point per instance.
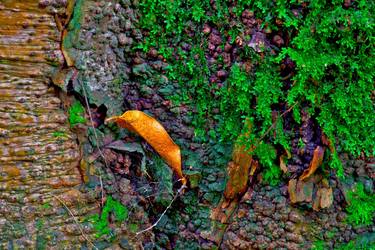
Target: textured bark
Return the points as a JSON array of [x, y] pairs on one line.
[[38, 167]]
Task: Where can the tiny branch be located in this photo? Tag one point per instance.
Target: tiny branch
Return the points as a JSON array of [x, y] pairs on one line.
[[164, 212], [76, 221]]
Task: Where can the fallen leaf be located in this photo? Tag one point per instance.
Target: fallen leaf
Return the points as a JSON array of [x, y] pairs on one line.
[[283, 158], [323, 199], [254, 167], [316, 201], [328, 142], [283, 164], [241, 156], [237, 180], [305, 191], [314, 164], [238, 168], [155, 134]]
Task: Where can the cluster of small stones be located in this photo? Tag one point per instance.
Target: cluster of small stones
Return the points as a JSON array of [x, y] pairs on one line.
[[104, 40], [39, 155], [267, 220]]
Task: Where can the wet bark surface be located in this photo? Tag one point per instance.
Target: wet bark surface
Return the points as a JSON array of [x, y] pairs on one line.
[[39, 154]]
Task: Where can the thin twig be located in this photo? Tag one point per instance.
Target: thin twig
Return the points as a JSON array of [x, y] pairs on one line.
[[97, 143], [76, 221], [161, 216], [274, 124]]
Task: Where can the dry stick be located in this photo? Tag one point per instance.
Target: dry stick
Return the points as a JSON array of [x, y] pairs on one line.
[[161, 216], [97, 143], [274, 124], [76, 221]]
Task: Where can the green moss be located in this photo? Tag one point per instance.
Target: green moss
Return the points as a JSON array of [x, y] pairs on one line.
[[361, 206], [76, 114], [101, 221], [42, 235], [361, 242], [133, 227], [333, 73], [334, 79], [46, 205], [59, 134], [319, 245]]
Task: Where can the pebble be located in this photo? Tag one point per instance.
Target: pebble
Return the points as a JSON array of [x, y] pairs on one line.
[[289, 226], [295, 217], [294, 237], [215, 39], [278, 40]]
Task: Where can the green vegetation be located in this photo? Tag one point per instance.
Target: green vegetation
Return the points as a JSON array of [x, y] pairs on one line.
[[319, 245], [76, 114], [334, 75], [362, 242], [59, 134], [361, 206], [330, 46], [101, 222], [41, 238]]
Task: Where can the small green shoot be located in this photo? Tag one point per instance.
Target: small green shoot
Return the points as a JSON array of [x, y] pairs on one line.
[[101, 221], [76, 114]]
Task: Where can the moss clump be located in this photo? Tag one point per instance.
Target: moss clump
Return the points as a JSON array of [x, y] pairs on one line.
[[101, 221], [76, 114], [361, 206], [332, 78]]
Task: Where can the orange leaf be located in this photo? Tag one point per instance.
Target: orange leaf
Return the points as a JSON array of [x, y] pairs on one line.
[[238, 168], [283, 159], [314, 164], [155, 134]]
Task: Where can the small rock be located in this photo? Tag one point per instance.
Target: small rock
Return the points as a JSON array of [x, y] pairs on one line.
[[278, 40], [262, 241], [206, 29], [326, 199], [294, 238], [153, 53], [190, 226], [295, 217], [211, 47], [247, 14], [215, 39], [222, 74], [122, 39], [289, 226], [227, 47]]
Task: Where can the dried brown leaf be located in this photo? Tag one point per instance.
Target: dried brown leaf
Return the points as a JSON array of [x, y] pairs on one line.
[[155, 134], [314, 164]]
